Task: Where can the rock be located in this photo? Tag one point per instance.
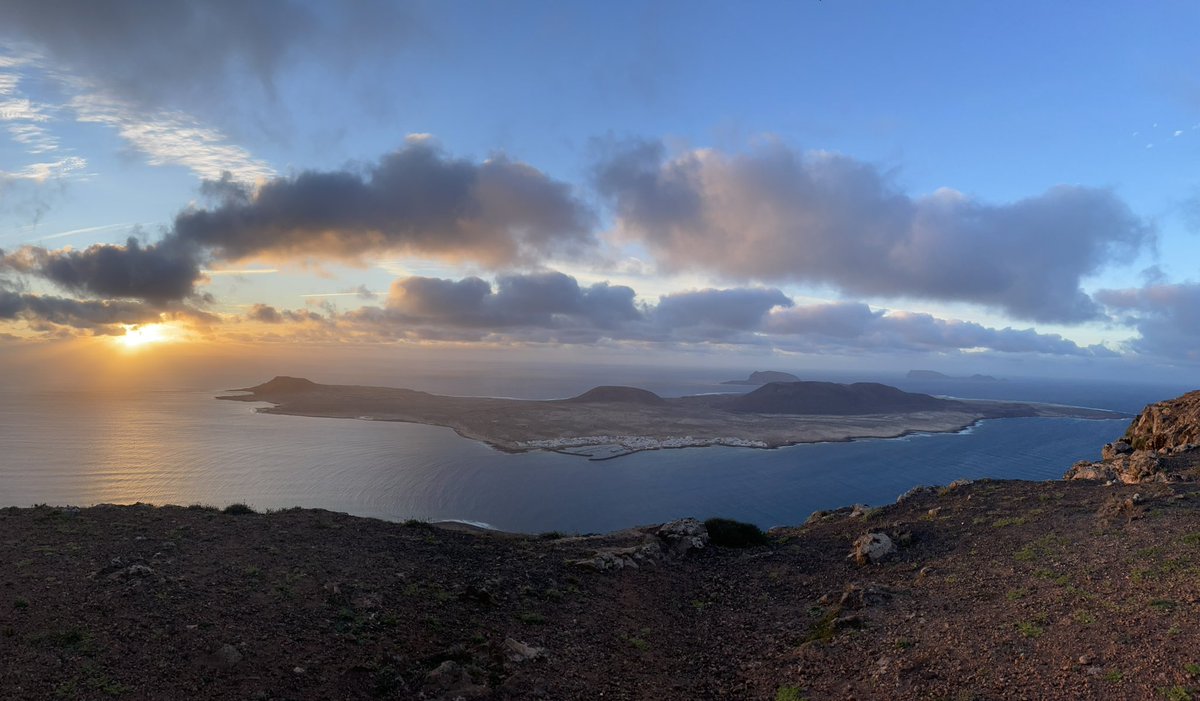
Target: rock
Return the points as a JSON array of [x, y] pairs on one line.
[[872, 547], [856, 596], [224, 657], [1175, 422], [517, 651], [914, 492], [816, 517], [859, 510], [450, 681], [610, 559], [959, 483], [683, 536], [1131, 467], [1114, 450]]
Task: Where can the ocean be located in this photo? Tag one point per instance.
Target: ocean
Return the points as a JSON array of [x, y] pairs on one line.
[[184, 447]]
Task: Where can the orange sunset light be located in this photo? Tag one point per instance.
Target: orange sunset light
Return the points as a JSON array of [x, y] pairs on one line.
[[143, 335]]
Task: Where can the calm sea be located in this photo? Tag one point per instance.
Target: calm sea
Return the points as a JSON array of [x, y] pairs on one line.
[[183, 447]]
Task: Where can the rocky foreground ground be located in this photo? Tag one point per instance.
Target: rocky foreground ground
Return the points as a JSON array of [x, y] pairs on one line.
[[996, 590], [1079, 589]]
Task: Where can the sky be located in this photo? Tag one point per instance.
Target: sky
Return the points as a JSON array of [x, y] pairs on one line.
[[973, 187]]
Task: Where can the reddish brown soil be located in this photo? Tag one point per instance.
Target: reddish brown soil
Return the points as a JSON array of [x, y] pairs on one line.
[[1000, 590]]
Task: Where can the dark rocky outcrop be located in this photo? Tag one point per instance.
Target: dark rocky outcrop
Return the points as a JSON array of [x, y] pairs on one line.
[[831, 398]]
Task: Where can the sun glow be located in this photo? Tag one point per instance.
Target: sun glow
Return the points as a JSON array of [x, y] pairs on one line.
[[144, 335]]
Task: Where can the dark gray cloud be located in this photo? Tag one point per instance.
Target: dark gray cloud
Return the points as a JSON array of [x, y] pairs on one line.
[[159, 274], [192, 55], [553, 308], [267, 314], [549, 300], [99, 316], [416, 200], [719, 311], [1166, 316], [854, 325], [775, 214]]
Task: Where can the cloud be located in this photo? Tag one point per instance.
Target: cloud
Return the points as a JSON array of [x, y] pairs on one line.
[[853, 325], [551, 307], [171, 138], [98, 316], [157, 274], [1166, 316], [190, 55], [549, 300], [777, 215], [719, 311], [416, 200], [270, 315]]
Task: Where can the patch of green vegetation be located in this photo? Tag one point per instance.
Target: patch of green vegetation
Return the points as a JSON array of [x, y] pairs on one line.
[[1015, 594], [252, 572], [903, 644], [417, 523], [1008, 521], [532, 618], [1192, 668], [238, 509], [728, 533], [1039, 548], [788, 693], [822, 630], [1083, 618], [700, 604], [551, 535], [1163, 605], [20, 604], [1177, 693], [1030, 629], [639, 644], [1059, 578], [1191, 538], [70, 639], [1114, 676]]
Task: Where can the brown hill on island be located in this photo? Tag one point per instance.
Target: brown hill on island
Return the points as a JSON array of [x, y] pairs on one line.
[[617, 395], [281, 384], [833, 399]]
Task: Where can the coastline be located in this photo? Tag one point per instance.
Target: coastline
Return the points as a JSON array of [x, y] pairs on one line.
[[629, 420]]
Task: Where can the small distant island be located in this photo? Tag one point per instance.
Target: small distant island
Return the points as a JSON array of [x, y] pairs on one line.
[[611, 421], [762, 377], [935, 375]]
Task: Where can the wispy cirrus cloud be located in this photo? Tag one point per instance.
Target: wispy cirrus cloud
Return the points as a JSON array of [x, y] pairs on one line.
[[172, 138]]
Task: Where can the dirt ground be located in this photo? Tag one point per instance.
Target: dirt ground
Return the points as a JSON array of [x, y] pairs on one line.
[[999, 590]]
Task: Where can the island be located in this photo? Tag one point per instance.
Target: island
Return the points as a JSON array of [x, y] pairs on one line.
[[762, 377], [608, 422], [935, 375]]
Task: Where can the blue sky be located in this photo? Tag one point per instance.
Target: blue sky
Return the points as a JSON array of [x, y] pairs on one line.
[[895, 170]]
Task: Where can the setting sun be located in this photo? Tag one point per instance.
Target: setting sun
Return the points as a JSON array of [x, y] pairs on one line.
[[140, 336]]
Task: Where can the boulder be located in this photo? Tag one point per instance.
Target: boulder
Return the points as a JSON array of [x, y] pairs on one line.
[[451, 680], [683, 536], [871, 548], [517, 651]]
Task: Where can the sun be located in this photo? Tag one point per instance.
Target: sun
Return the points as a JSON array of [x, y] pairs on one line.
[[144, 335]]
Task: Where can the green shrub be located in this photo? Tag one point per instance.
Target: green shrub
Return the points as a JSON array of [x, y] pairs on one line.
[[788, 693], [237, 510], [734, 534]]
